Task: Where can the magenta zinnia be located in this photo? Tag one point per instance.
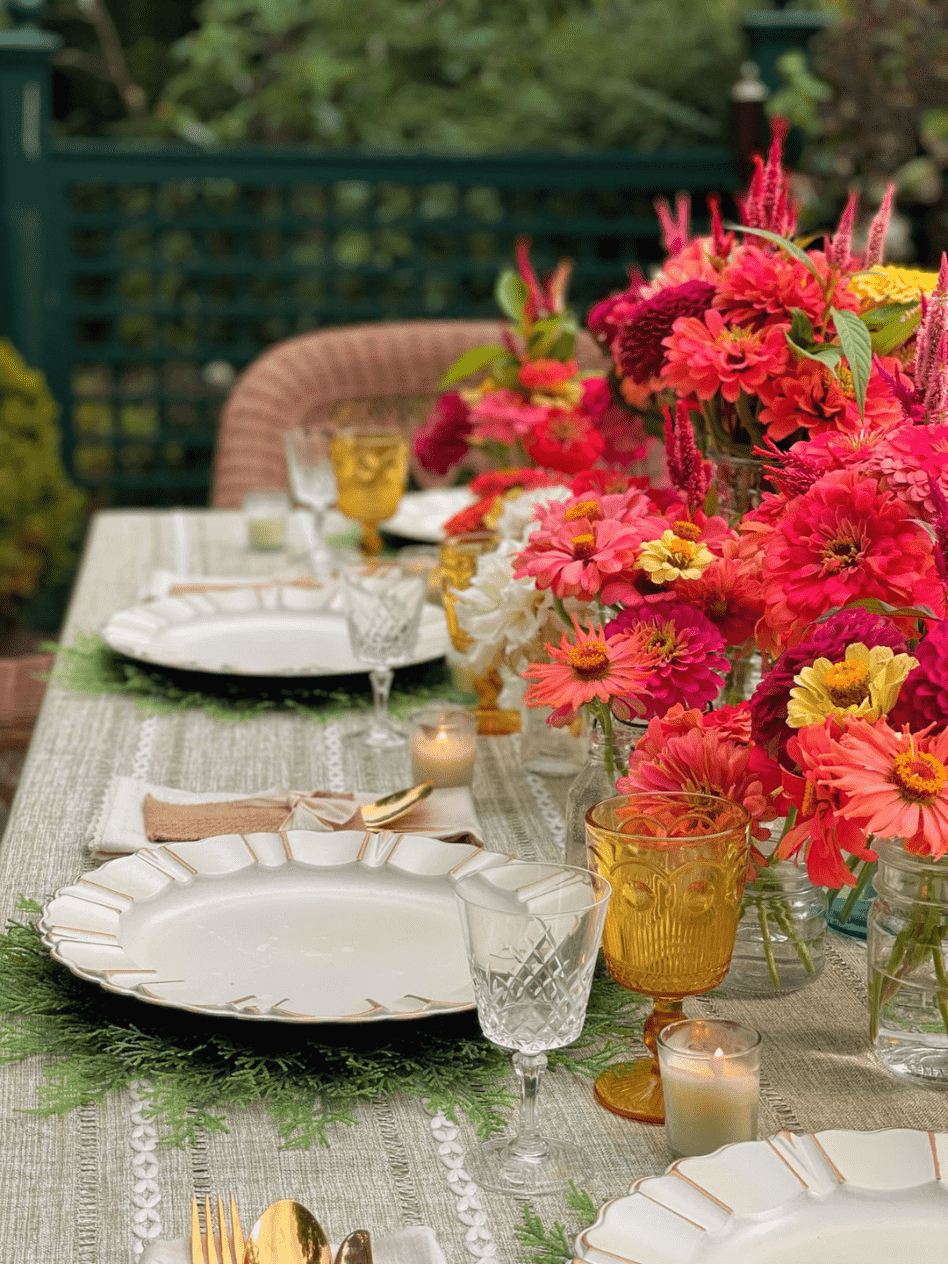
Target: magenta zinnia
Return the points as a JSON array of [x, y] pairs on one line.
[[923, 698], [689, 665], [589, 667]]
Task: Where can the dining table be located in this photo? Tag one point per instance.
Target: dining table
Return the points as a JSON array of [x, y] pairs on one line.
[[97, 1185]]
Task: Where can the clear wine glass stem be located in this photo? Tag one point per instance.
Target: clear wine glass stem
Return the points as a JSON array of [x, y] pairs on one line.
[[529, 1069], [381, 678]]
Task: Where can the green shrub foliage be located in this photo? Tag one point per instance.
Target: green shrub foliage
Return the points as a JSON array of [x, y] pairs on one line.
[[39, 508]]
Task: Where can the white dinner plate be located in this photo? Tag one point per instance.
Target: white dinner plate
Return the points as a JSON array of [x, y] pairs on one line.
[[422, 515], [816, 1199], [297, 927], [253, 631]]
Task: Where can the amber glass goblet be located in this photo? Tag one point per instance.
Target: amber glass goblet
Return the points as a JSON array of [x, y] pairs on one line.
[[458, 561], [371, 466], [676, 863]]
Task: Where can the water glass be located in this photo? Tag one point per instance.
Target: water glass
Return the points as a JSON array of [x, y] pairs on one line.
[[383, 603], [313, 483], [532, 933]]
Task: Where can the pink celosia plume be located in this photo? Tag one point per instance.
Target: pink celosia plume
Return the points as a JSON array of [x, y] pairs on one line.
[[875, 245], [767, 203], [676, 229]]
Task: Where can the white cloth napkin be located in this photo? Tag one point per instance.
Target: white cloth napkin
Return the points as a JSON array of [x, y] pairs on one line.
[[417, 1245], [120, 829]]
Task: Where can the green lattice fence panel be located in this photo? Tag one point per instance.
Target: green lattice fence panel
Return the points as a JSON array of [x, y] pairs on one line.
[[174, 268]]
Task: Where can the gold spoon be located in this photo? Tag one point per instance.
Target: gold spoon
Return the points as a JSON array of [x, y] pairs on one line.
[[356, 1248], [287, 1233], [392, 807]]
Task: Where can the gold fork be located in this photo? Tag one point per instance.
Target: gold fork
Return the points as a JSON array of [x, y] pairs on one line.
[[204, 1248]]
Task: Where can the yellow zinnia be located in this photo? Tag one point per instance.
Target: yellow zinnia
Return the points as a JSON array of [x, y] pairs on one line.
[[890, 284], [670, 557], [865, 684]]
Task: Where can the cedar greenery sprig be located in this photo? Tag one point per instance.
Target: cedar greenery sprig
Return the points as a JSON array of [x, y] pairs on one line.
[[307, 1077], [540, 1245]]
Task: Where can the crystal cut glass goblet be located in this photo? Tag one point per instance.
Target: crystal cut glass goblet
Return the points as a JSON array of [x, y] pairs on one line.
[[532, 933], [383, 611]]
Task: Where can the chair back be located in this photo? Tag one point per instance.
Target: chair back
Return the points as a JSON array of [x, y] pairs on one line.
[[334, 376]]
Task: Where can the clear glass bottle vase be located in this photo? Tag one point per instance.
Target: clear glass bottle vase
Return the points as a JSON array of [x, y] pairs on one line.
[[907, 950], [781, 935], [596, 782]]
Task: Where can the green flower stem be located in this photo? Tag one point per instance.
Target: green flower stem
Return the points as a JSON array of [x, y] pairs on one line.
[[866, 870], [923, 935], [561, 611], [768, 944]]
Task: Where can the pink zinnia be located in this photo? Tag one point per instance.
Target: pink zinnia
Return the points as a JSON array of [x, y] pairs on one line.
[[758, 288], [729, 594], [708, 357], [577, 559], [690, 665], [593, 667], [703, 761], [846, 539], [894, 784], [639, 349], [768, 706], [503, 416], [906, 458], [923, 698]]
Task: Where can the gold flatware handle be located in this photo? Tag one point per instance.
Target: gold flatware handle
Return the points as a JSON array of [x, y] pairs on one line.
[[392, 807]]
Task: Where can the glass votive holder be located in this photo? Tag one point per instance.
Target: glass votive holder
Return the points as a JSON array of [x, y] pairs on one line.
[[266, 514], [443, 742], [710, 1070]]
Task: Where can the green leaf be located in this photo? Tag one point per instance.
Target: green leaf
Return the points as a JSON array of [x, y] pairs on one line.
[[790, 247], [511, 294], [828, 353], [580, 1201], [880, 316], [856, 342], [471, 362], [563, 347], [801, 330], [897, 332], [875, 606]]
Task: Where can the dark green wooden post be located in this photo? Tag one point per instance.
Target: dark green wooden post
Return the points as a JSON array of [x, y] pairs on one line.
[[773, 32], [25, 53]]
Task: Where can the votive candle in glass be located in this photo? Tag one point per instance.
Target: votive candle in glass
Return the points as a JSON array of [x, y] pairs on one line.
[[710, 1071], [266, 513], [443, 743]]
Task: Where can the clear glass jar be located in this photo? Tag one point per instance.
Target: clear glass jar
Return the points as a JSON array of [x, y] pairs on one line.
[[551, 751], [908, 964], [739, 477], [595, 783], [781, 934]]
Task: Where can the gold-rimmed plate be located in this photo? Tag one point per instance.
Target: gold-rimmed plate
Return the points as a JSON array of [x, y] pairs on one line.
[[817, 1198], [296, 927]]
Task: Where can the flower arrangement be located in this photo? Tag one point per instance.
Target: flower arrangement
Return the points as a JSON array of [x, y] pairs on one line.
[[532, 406], [829, 370]]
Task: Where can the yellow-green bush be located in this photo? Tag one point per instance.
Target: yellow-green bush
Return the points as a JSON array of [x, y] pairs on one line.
[[40, 510]]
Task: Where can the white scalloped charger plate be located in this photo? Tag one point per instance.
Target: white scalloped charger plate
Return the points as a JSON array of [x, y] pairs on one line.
[[296, 927], [816, 1199], [271, 631], [422, 515]]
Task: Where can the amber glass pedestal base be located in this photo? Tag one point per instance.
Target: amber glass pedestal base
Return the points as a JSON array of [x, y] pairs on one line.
[[493, 721], [634, 1089]]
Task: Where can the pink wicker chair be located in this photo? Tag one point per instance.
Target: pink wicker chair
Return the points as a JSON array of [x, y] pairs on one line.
[[395, 367], [21, 692]]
